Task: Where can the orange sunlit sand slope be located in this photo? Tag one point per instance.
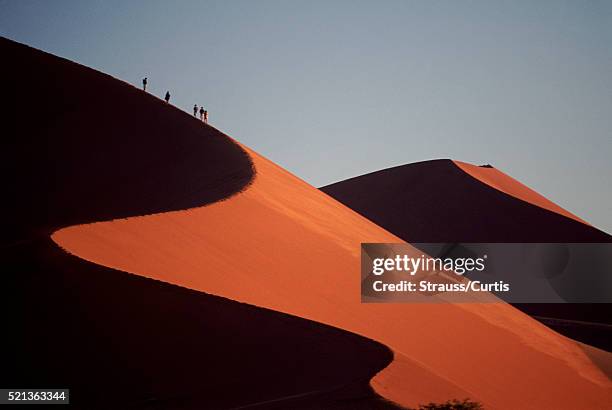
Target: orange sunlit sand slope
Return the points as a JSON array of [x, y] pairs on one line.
[[284, 245], [498, 180]]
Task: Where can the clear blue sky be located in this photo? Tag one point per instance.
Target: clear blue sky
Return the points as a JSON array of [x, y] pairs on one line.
[[335, 89]]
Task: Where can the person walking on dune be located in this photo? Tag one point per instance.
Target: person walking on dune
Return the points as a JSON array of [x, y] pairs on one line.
[[167, 97], [205, 116], [195, 110], [202, 113], [144, 84]]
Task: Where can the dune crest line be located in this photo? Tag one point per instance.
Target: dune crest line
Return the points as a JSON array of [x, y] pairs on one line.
[[504, 183]]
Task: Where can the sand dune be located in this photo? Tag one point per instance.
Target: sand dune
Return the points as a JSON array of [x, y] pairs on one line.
[[277, 243], [451, 201], [77, 149], [283, 245], [442, 200], [154, 345], [101, 149]]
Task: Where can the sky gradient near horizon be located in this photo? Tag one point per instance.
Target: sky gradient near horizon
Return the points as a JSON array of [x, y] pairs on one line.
[[332, 90]]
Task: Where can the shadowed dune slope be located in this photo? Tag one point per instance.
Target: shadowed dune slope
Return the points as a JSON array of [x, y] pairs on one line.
[[437, 201], [124, 341], [448, 201], [95, 148], [284, 245], [82, 147]]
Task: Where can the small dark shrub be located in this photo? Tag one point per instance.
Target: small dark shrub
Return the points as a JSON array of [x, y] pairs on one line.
[[464, 404]]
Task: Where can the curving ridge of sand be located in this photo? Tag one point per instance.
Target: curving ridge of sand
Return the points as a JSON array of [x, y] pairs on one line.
[[284, 245], [279, 244], [106, 150], [88, 142], [501, 181]]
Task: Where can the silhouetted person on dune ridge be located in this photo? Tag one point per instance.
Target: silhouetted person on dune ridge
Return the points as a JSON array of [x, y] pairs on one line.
[[206, 116], [167, 97], [144, 84], [202, 113], [195, 110]]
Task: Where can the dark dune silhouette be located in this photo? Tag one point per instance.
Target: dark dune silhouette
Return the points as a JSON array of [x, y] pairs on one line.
[[84, 147], [440, 201], [119, 340], [436, 201]]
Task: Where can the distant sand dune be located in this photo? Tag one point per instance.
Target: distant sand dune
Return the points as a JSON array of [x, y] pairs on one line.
[[452, 201]]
